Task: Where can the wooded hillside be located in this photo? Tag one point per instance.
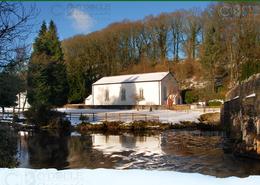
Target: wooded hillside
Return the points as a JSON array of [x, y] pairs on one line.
[[207, 50]]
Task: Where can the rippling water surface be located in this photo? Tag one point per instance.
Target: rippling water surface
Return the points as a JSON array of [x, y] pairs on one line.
[[185, 151]]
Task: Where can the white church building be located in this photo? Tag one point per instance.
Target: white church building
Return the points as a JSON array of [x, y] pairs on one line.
[[159, 88]]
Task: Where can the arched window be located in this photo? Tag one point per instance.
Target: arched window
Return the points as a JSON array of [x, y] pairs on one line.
[[165, 93], [141, 93], [106, 95], [123, 94]]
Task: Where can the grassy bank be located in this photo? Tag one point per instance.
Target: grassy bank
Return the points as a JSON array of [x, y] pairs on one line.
[[136, 126]]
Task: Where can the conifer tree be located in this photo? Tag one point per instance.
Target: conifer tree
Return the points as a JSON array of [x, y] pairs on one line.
[[47, 81]]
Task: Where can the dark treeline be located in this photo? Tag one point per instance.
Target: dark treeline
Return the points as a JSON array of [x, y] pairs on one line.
[[221, 49]]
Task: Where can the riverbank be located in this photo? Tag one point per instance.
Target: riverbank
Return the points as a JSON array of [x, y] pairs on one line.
[[165, 116], [84, 120], [115, 177], [208, 121], [143, 126]]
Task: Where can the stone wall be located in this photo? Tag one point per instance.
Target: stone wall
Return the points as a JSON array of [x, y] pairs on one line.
[[240, 116]]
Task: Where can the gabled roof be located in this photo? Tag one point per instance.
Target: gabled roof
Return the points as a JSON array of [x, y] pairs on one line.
[[144, 77]]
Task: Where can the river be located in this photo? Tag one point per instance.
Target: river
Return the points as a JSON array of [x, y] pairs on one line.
[[177, 150]]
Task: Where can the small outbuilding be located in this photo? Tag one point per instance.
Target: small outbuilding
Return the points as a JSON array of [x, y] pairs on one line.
[[159, 88]]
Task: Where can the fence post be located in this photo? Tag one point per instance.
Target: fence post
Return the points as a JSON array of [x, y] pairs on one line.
[[145, 117], [93, 117], [118, 116], [70, 116], [106, 116]]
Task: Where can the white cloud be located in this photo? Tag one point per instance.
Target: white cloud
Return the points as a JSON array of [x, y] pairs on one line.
[[82, 21]]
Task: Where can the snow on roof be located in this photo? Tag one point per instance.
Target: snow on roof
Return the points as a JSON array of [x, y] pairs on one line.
[[144, 77]]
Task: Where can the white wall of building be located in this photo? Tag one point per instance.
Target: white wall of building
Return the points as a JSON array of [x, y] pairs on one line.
[[112, 143], [88, 100], [151, 93], [169, 86], [22, 102]]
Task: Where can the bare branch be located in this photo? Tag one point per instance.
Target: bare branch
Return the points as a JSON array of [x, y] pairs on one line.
[[15, 27]]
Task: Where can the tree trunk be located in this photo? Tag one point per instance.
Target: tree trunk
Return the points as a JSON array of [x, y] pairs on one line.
[[174, 45], [177, 48], [194, 47]]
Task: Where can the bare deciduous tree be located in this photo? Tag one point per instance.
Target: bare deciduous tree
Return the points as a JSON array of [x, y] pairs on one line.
[[176, 29], [15, 28], [192, 28]]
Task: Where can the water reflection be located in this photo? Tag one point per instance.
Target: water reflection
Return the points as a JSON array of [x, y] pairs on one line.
[[8, 147], [23, 154], [83, 155], [191, 143], [187, 151], [127, 142], [48, 150]]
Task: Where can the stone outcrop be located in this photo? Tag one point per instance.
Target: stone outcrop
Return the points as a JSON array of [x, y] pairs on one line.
[[240, 116], [210, 118]]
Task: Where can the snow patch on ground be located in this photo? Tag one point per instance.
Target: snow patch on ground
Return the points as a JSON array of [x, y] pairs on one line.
[[116, 177], [165, 116]]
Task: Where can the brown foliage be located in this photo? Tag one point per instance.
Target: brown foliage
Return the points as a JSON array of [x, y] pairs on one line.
[[214, 47]]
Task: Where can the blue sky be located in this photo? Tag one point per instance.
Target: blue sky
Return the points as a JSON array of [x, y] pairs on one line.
[[74, 18]]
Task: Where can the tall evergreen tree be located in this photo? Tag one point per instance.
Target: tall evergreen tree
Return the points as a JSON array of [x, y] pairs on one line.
[[47, 81]]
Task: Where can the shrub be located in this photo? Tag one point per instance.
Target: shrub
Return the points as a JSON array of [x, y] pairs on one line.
[[42, 116], [191, 97], [59, 123], [16, 118], [83, 118], [120, 126], [38, 115], [148, 125], [214, 103], [113, 125], [139, 125]]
